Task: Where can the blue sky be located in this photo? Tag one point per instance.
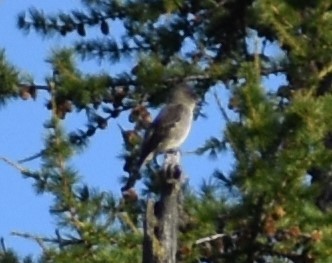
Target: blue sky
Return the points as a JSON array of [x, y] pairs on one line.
[[22, 133]]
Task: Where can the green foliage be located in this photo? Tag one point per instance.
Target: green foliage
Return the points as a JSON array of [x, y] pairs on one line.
[[274, 206], [8, 79], [9, 256]]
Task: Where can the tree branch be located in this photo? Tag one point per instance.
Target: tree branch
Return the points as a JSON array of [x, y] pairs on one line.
[[22, 169], [162, 217]]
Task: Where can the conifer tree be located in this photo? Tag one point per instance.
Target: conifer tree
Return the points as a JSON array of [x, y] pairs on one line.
[[275, 204]]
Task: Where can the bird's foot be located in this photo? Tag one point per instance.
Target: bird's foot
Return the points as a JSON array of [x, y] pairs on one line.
[[172, 167], [173, 151]]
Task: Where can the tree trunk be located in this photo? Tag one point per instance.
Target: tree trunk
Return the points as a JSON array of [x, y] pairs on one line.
[[162, 217]]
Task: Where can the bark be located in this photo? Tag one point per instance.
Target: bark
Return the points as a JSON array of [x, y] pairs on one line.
[[162, 217]]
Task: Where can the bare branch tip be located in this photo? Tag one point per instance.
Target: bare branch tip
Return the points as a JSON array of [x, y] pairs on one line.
[[14, 164], [220, 107]]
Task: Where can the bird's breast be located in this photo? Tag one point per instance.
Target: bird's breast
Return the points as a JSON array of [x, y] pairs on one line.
[[177, 134]]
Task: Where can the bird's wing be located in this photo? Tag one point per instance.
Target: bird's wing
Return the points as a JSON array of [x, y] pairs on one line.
[[159, 129]]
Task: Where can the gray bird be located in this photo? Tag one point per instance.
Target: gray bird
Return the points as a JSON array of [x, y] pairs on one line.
[[172, 125]]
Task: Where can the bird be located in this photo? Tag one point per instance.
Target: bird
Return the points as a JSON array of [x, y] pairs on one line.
[[171, 127]]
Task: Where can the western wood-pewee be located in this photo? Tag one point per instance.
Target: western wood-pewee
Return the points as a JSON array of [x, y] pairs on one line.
[[171, 126]]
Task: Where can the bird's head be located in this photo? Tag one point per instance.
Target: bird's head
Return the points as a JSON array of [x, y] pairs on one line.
[[184, 94]]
